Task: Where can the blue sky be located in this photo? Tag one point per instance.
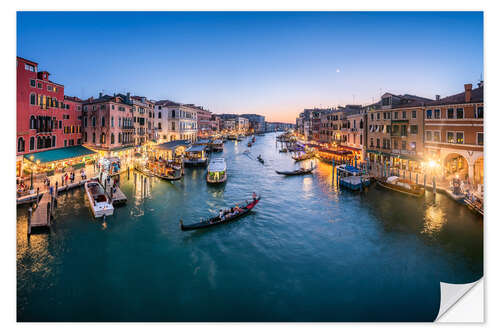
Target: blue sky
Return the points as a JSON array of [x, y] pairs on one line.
[[272, 63]]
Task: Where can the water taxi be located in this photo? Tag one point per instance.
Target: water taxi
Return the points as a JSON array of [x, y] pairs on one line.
[[217, 171], [100, 202], [402, 186], [217, 146], [195, 156], [352, 178]]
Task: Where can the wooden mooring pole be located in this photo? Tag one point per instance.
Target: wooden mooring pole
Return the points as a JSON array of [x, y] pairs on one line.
[[30, 213]]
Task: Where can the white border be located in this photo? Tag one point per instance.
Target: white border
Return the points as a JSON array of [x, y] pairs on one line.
[[492, 73]]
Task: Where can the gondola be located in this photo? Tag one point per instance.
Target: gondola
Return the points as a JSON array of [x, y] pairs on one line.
[[260, 159], [303, 157], [283, 150], [216, 220], [249, 144], [300, 171]]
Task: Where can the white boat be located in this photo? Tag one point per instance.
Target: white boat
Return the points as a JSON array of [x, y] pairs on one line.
[[100, 203], [217, 145], [217, 171]]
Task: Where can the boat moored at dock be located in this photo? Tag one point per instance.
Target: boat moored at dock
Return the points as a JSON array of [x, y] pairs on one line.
[[217, 145], [195, 156], [352, 178], [100, 203], [401, 185], [217, 171]]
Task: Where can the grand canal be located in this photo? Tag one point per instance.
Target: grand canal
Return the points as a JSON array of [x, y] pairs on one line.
[[308, 252]]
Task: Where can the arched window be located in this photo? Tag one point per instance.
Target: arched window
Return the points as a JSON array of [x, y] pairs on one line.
[[119, 138], [103, 138], [32, 143], [103, 121], [159, 115], [93, 137], [361, 123], [39, 142], [112, 121], [32, 122], [53, 140], [84, 136], [93, 121], [20, 145], [112, 138], [32, 99], [173, 113]]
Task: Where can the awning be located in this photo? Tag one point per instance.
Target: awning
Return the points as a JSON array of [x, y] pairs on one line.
[[173, 144], [59, 154]]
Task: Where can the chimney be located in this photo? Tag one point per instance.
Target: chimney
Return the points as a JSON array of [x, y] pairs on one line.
[[468, 92], [128, 97], [100, 95], [438, 97], [480, 84]]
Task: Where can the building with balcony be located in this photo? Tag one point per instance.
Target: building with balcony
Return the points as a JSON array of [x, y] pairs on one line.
[[257, 122], [143, 118]]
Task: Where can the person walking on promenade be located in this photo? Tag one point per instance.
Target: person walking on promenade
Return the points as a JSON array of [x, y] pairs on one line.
[[62, 180], [66, 178]]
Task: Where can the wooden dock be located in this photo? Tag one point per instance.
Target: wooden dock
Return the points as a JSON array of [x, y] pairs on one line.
[[117, 198], [42, 216]]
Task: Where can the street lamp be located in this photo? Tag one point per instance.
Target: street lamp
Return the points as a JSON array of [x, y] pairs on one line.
[[31, 174]]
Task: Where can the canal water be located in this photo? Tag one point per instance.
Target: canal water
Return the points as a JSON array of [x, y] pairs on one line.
[[308, 252]]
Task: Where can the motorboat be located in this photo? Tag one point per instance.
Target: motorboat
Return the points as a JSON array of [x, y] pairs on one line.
[[100, 203], [352, 177], [402, 186]]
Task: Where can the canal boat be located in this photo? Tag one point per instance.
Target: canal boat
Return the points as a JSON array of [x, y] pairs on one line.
[[217, 171], [301, 171], [352, 178], [283, 150], [475, 204], [260, 159], [217, 146], [249, 144], [195, 156], [303, 157], [216, 220], [100, 202], [401, 185]]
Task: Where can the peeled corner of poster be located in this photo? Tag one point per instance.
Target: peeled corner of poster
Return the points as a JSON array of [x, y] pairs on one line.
[[461, 303]]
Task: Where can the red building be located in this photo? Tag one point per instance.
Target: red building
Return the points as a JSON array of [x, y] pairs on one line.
[[45, 120]]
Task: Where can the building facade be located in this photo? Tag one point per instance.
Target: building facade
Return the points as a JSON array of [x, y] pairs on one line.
[[257, 122], [454, 135], [108, 122], [181, 118]]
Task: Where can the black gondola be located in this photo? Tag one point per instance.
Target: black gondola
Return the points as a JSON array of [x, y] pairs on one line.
[[216, 220], [260, 159], [300, 171]]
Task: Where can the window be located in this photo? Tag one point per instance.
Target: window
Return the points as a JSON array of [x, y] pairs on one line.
[[414, 129], [32, 122], [119, 137], [112, 107], [480, 138], [460, 113], [84, 136], [65, 143], [93, 121], [32, 99], [428, 114], [32, 83], [29, 68], [159, 115], [396, 115], [112, 121], [428, 135], [173, 113], [450, 137], [403, 145], [53, 140], [49, 88], [159, 126], [85, 122], [60, 123], [378, 115], [451, 114], [414, 114], [371, 116], [479, 112], [378, 143], [93, 137], [112, 138], [460, 137], [404, 130], [437, 136], [413, 145], [32, 143], [395, 144], [403, 115], [20, 145], [103, 121], [437, 114], [173, 126], [371, 140]]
